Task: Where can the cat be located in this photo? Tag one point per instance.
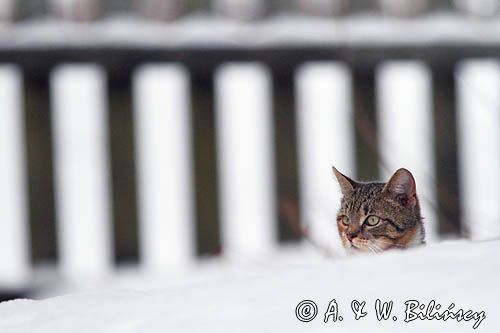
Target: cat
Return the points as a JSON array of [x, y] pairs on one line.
[[374, 217]]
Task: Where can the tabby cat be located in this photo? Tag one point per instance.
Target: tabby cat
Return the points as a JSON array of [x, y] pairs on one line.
[[375, 217]]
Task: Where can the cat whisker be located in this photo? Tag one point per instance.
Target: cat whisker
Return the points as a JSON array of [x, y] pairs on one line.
[[390, 243], [374, 248]]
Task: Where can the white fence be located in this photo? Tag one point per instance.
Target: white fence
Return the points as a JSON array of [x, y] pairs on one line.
[[244, 130]]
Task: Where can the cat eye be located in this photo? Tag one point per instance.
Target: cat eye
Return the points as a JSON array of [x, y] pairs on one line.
[[372, 220], [344, 219]]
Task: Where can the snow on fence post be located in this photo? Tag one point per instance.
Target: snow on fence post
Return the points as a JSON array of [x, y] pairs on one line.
[[78, 94], [406, 132], [325, 139], [14, 239], [478, 118], [163, 136], [245, 145]]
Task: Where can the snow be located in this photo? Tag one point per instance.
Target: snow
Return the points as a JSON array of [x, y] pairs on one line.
[[261, 296], [202, 30]]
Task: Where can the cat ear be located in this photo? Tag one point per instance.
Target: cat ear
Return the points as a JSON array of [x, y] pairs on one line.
[[402, 186], [347, 185]]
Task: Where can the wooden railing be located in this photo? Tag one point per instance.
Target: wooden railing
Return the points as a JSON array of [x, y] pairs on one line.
[[329, 73]]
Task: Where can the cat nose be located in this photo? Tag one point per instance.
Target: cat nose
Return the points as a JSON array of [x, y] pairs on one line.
[[352, 234]]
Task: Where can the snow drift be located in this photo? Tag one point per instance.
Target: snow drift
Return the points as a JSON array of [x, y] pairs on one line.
[[262, 297]]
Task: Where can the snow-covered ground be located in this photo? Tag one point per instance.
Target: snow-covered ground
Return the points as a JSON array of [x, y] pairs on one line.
[[261, 296]]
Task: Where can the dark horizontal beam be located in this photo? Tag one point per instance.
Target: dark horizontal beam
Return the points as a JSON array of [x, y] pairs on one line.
[[201, 60]]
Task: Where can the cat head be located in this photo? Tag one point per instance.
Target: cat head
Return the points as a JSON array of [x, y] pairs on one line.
[[374, 217]]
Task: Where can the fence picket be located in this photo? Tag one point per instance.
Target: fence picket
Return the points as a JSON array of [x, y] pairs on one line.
[[244, 141], [82, 170], [478, 118], [406, 133], [163, 136], [14, 234], [326, 138]]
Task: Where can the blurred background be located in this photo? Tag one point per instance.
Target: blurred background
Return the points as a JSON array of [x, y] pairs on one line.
[[157, 134]]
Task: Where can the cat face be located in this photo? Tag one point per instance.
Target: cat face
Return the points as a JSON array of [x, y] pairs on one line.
[[374, 217]]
